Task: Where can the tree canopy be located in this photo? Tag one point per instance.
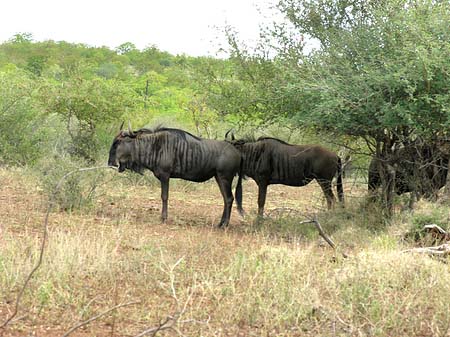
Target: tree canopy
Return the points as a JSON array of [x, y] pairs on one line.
[[377, 71], [378, 68], [88, 90]]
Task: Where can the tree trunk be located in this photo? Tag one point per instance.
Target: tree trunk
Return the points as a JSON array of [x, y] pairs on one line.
[[388, 188], [387, 171]]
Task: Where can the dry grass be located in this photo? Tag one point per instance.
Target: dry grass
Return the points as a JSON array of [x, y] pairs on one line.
[[272, 279]]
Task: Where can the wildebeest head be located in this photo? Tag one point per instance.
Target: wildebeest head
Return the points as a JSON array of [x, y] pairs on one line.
[[238, 143], [121, 152]]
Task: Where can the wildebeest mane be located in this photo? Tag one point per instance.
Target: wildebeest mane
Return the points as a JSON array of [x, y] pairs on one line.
[[272, 138], [178, 132], [251, 139]]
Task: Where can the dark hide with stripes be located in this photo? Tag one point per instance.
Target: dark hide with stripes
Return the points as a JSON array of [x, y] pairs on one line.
[[273, 161], [421, 169], [173, 153]]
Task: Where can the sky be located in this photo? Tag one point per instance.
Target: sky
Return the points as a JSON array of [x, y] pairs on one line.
[[189, 27]]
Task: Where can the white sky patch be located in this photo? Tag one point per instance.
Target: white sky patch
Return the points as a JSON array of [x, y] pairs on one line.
[[177, 26]]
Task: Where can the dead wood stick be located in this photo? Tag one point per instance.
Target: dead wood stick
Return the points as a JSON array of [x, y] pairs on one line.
[[435, 228], [86, 322], [44, 239], [169, 323], [322, 233], [437, 231], [441, 250]]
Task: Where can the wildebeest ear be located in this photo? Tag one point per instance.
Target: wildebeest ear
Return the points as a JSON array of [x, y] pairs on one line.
[[121, 126]]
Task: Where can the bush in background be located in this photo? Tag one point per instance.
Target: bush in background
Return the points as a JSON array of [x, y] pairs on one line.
[[77, 190], [21, 123]]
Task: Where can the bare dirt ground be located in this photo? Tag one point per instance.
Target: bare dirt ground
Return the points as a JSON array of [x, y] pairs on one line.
[[194, 211], [270, 279]]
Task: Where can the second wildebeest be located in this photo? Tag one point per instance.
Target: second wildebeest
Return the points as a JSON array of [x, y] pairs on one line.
[[419, 168], [174, 153], [273, 161]]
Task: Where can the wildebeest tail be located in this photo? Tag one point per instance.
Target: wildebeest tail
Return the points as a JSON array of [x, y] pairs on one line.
[[238, 192], [339, 186]]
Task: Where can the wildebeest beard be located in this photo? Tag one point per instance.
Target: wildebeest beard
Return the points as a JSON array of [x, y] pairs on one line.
[[132, 166]]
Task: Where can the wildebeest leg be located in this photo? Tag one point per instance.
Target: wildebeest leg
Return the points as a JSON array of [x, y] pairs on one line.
[[412, 200], [374, 183], [164, 197], [262, 192], [326, 188], [225, 188]]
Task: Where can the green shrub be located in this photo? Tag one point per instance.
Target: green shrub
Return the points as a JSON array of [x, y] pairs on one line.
[[437, 216], [77, 190], [21, 132]]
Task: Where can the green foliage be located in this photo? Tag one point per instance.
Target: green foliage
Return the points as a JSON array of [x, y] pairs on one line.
[[379, 73], [204, 118], [91, 91], [377, 66], [435, 216], [126, 48], [22, 38], [383, 69], [86, 103], [44, 293], [76, 191], [21, 124], [238, 89]]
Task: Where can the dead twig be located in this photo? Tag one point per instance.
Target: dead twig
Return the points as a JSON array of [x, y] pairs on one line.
[[437, 231], [441, 250], [439, 235], [322, 233], [172, 321], [86, 322], [44, 240], [168, 324]]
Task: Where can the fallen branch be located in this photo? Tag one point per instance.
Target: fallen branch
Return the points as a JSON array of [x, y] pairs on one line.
[[168, 324], [44, 240], [441, 250], [437, 232], [322, 233], [86, 322], [172, 321]]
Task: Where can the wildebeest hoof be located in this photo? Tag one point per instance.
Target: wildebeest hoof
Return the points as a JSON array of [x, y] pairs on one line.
[[222, 225], [242, 213]]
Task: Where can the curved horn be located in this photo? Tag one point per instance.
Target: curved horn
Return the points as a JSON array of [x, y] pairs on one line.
[[121, 126], [232, 134], [130, 130], [226, 134]]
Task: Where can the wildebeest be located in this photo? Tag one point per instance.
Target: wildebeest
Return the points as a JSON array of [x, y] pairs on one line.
[[420, 169], [273, 161], [174, 153]]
